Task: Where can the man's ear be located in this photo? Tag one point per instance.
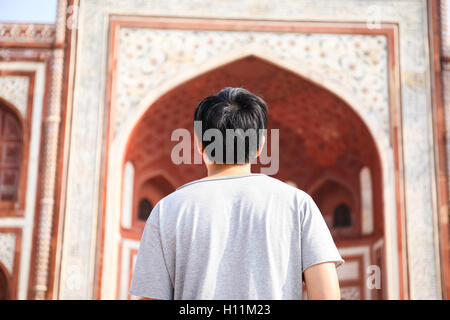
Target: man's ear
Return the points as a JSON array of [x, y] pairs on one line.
[[263, 140]]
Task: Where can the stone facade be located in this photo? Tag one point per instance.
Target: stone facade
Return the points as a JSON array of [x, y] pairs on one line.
[[92, 70], [373, 55]]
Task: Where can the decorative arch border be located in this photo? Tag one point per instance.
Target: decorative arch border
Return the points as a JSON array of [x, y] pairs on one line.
[[391, 160]]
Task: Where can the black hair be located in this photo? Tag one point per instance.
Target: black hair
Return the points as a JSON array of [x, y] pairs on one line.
[[236, 109]]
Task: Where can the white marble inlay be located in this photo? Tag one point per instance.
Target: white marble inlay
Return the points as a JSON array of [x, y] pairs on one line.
[[149, 57]]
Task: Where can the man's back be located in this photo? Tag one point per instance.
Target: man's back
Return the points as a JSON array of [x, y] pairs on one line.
[[234, 237]]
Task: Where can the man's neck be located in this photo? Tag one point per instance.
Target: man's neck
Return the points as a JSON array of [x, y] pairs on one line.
[[221, 170]]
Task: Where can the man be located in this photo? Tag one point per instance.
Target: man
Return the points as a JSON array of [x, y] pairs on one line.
[[235, 234]]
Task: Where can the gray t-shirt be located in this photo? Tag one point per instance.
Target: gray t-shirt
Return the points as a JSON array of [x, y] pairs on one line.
[[236, 237]]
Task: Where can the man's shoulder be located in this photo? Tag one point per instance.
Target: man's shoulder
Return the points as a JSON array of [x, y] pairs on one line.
[[285, 187], [204, 187], [183, 193]]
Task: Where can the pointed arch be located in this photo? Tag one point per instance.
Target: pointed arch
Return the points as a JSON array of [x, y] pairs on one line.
[[311, 73]]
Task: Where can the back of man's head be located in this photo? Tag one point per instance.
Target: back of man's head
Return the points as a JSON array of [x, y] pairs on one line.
[[240, 116]]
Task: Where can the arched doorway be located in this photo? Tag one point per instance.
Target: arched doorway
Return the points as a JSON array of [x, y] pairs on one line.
[[323, 146]]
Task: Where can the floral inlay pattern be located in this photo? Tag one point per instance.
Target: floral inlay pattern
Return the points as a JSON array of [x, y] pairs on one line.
[[149, 57]]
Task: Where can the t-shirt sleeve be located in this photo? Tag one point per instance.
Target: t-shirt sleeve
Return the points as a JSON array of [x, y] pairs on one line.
[[317, 244], [151, 278]]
